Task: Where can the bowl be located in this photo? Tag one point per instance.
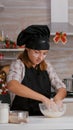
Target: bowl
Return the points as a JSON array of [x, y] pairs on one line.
[[52, 113], [18, 117]]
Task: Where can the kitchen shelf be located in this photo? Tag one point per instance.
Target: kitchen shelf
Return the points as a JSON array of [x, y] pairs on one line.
[[8, 58], [62, 49], [14, 50], [9, 55]]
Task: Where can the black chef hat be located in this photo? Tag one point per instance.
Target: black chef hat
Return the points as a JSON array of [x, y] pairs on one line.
[[35, 37]]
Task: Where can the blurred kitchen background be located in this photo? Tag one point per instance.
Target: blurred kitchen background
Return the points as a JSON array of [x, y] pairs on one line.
[[15, 15]]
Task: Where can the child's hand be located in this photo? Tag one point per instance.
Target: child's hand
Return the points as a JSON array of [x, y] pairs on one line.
[[59, 105]]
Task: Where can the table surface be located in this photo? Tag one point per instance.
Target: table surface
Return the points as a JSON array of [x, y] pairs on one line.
[[42, 123], [68, 100]]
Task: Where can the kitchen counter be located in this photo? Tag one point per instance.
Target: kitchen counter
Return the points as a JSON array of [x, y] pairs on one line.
[[68, 100], [42, 123]]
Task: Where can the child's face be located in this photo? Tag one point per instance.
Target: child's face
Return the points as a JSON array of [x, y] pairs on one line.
[[36, 56]]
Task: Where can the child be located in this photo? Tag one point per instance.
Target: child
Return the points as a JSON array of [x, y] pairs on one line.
[[30, 77]]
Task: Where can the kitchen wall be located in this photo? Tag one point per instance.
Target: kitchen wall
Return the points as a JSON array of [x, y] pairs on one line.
[[61, 57], [17, 14]]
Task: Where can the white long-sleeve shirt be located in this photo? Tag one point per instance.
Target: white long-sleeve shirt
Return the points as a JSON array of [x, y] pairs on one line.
[[17, 72]]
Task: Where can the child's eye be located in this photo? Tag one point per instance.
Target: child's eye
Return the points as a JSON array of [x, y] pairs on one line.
[[45, 54]]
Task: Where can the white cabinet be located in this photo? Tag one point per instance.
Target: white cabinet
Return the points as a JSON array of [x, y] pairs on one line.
[[69, 108], [59, 10]]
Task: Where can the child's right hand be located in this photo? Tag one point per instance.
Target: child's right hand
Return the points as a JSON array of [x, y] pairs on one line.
[[51, 105]]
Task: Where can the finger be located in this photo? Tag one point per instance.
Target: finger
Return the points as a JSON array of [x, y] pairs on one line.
[[53, 106]]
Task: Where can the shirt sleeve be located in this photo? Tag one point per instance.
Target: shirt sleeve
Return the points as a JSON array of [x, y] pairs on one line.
[[16, 71], [55, 80]]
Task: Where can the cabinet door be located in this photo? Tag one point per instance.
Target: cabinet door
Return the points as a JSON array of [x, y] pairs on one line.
[[69, 109]]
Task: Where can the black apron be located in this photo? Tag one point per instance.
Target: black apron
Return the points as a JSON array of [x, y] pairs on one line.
[[38, 81]]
